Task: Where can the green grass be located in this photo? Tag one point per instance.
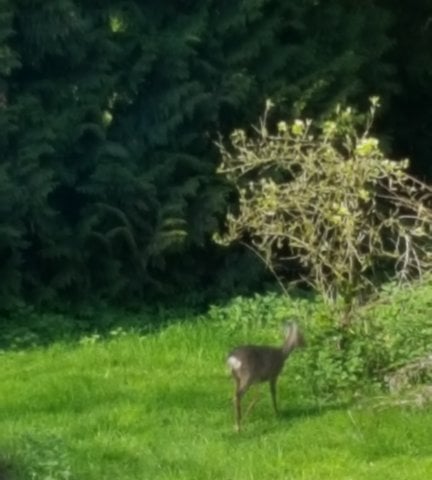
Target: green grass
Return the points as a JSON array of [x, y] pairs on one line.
[[159, 407]]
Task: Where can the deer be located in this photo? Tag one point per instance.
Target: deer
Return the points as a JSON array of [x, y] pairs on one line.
[[251, 364]]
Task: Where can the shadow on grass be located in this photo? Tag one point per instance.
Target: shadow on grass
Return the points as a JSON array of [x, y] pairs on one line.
[[253, 426], [30, 328], [6, 470], [299, 412]]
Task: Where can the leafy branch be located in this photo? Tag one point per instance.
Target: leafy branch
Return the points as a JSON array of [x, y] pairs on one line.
[[328, 195]]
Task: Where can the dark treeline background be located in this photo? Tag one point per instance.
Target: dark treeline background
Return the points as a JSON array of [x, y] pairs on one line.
[[109, 111]]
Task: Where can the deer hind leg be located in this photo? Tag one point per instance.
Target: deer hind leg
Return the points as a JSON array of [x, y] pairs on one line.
[[240, 390]]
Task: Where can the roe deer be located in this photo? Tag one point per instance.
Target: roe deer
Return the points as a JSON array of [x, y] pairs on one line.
[[251, 364]]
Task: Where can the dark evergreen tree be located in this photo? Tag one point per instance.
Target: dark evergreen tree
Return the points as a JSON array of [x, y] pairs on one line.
[[407, 118], [12, 232], [108, 113]]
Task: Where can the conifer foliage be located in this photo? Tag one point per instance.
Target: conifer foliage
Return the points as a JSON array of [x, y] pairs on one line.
[[108, 117]]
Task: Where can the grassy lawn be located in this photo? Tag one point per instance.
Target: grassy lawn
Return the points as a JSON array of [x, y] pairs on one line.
[[159, 406]]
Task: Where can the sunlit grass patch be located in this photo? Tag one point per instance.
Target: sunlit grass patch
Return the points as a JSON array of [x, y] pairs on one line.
[[138, 406]]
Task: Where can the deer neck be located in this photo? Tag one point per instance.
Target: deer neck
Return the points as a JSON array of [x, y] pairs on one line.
[[286, 350]]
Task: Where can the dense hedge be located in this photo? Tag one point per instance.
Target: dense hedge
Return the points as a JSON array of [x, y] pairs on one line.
[[108, 114]]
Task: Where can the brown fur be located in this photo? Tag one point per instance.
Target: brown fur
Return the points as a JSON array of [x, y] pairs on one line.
[[258, 363]]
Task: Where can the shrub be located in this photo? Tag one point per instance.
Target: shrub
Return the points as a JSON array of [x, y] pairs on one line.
[[326, 196]]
